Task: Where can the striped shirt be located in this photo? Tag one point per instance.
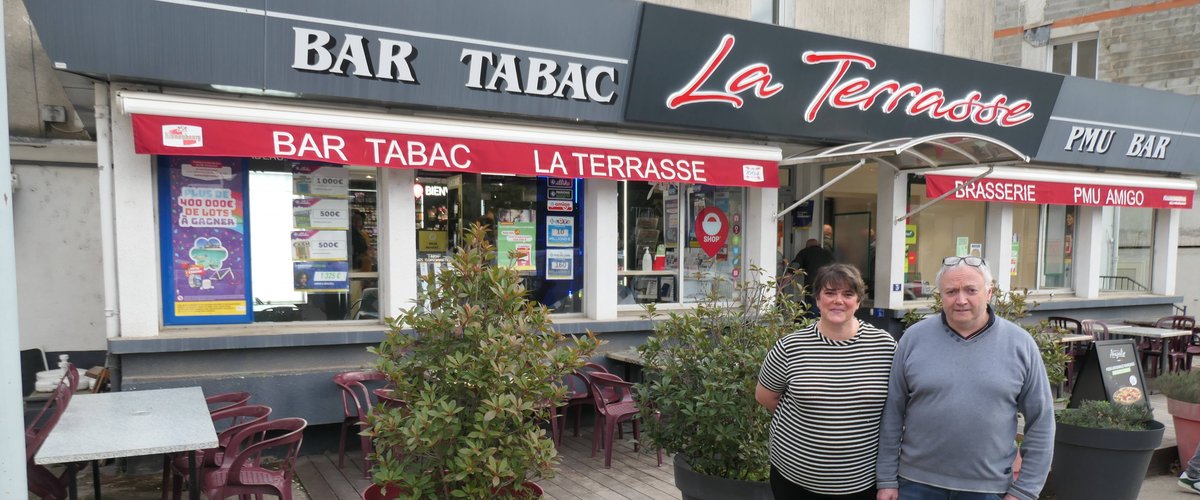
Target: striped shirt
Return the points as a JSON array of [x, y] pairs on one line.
[[825, 431]]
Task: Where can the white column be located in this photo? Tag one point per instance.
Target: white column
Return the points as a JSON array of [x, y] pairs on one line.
[[926, 25], [998, 247], [758, 232], [811, 176], [1166, 251], [108, 247], [1088, 252], [12, 436], [889, 238], [138, 259], [397, 244], [600, 248]]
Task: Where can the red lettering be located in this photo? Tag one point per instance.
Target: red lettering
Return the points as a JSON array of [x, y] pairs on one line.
[[755, 76]]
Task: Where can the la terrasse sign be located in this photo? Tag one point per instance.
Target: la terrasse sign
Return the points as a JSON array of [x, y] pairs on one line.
[[857, 92]]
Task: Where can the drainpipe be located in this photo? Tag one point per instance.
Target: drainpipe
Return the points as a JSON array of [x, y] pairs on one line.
[[108, 250], [12, 433]]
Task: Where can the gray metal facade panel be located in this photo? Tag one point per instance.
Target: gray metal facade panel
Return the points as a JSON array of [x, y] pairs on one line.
[[153, 40], [1125, 111]]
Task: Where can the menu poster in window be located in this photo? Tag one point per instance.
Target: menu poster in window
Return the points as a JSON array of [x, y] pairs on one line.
[[560, 231], [320, 180], [321, 277], [1110, 372], [319, 245], [321, 213], [204, 240], [514, 245], [560, 264]]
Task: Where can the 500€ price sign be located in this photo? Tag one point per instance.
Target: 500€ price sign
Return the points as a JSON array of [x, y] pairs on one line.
[[319, 245]]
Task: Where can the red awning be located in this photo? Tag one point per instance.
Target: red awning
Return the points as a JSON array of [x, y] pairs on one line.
[[175, 125], [1056, 187]]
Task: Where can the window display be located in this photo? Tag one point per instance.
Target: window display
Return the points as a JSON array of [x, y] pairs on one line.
[[534, 222], [652, 265]]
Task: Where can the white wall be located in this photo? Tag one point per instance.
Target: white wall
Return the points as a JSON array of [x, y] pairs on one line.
[[57, 228]]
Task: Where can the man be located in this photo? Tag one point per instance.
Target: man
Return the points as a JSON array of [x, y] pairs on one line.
[[958, 380], [810, 260]]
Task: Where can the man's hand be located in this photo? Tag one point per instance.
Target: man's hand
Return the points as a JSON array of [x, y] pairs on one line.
[[891, 494]]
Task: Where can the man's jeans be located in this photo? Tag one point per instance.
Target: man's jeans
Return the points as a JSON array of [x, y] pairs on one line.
[[910, 490]]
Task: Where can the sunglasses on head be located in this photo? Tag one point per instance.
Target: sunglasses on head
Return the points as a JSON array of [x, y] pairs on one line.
[[970, 261]]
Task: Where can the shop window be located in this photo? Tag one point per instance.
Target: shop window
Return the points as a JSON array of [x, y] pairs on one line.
[[851, 208], [765, 11], [1128, 253], [535, 223], [663, 256], [1042, 246], [266, 241], [946, 228], [1075, 57]]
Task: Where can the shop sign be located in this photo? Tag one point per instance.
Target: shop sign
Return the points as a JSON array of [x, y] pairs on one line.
[[319, 245], [515, 241], [205, 274], [1134, 128], [560, 264], [699, 70], [381, 149], [560, 231], [1057, 193], [321, 277], [712, 228], [560, 206], [321, 213], [1109, 371], [523, 57]]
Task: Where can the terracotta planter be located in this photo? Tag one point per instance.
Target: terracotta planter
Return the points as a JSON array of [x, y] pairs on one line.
[[1187, 427], [375, 492], [696, 486]]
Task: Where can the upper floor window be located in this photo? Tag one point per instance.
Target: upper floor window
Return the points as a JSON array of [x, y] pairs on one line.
[[1075, 57], [764, 11]]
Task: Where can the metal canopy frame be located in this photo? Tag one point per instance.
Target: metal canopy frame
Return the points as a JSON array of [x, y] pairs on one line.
[[909, 154]]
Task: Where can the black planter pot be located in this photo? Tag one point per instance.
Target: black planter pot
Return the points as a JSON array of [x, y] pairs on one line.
[[697, 486], [1102, 463]]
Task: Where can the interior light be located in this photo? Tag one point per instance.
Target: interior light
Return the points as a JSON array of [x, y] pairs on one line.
[[370, 177], [418, 190]]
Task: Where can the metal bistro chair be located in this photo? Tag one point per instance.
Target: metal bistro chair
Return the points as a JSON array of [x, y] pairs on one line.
[[356, 405]]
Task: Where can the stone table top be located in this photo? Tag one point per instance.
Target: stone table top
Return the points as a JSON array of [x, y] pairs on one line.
[[132, 423]]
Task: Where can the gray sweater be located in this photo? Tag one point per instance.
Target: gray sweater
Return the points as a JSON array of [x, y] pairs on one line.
[[951, 414]]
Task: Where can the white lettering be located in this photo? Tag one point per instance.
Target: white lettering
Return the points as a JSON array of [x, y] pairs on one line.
[[309, 45]]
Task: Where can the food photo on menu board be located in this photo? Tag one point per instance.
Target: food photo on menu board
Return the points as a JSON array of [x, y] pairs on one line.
[[1109, 371]]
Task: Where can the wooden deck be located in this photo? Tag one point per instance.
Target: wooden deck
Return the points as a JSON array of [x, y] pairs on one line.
[[578, 476]]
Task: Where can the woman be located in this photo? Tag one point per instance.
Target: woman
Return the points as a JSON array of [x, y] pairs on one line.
[[826, 385]]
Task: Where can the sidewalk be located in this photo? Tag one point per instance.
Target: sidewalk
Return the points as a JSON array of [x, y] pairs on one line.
[[1162, 488]]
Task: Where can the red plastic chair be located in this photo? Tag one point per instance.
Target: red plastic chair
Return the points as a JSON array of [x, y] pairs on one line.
[[356, 405], [1156, 348], [226, 400], [230, 420], [240, 471], [612, 411], [579, 395], [41, 481], [216, 402]]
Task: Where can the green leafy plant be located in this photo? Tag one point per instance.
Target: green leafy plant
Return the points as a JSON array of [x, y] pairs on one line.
[[479, 372], [1014, 305], [1181, 386], [704, 365], [1106, 415]]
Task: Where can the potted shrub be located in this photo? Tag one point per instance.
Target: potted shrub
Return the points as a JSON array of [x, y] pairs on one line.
[[1101, 450], [478, 366], [1182, 390], [703, 366]]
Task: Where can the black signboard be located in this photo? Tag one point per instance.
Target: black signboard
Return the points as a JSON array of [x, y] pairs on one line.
[[694, 69], [1110, 371]]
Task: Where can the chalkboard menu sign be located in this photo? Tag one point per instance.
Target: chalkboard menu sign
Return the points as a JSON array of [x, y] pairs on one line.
[[1110, 372]]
